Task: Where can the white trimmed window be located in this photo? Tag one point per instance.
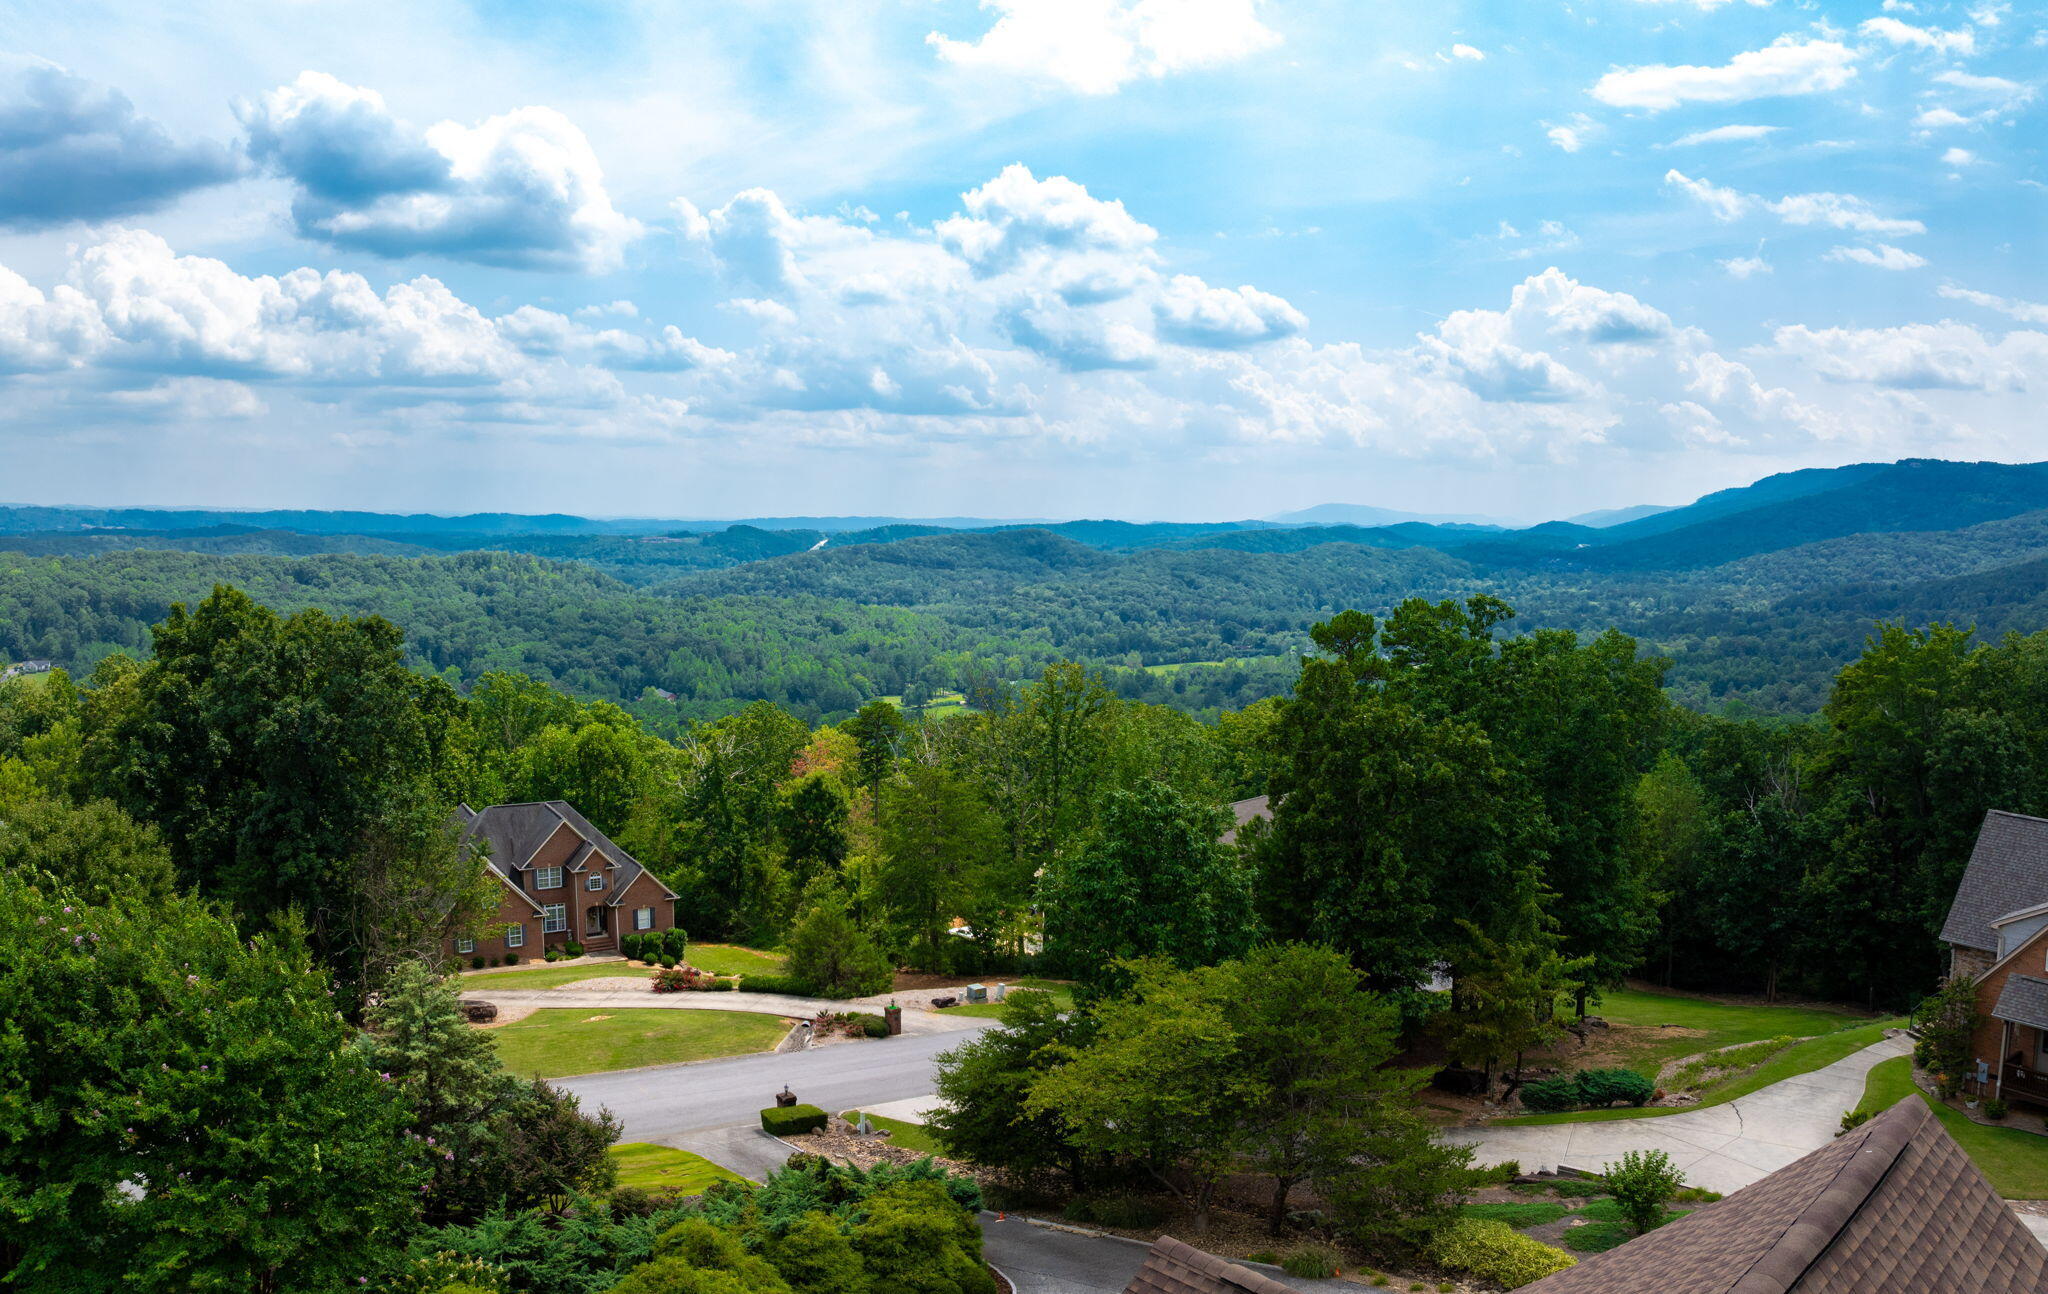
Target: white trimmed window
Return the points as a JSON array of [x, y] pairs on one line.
[[465, 945], [594, 881], [547, 878], [643, 918], [515, 936], [554, 919]]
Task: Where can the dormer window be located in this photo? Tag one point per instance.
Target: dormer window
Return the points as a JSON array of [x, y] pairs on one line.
[[595, 881], [547, 878]]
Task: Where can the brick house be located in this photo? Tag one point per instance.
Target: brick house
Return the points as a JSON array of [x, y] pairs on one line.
[[563, 880], [1997, 933]]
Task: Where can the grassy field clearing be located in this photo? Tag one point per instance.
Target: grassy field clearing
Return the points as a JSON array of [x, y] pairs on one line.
[[719, 959], [556, 1043], [1702, 1025], [2015, 1161], [664, 1168]]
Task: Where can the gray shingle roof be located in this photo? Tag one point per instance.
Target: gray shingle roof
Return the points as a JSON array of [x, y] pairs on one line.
[[2023, 1000], [514, 831], [1176, 1268], [2008, 871], [1244, 811], [1894, 1207]]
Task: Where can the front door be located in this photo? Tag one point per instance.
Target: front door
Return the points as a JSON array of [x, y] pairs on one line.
[[593, 921]]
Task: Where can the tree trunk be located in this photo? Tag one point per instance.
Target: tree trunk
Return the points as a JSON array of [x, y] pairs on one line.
[[1276, 1215], [1771, 984]]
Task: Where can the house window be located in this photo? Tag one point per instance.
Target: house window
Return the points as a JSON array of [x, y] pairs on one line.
[[554, 919], [465, 945], [643, 918], [515, 936], [595, 881], [547, 878]]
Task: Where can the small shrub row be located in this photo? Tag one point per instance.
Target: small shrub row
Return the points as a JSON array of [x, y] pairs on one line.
[[1588, 1089], [480, 961], [789, 984], [791, 1120], [679, 979], [654, 945], [1496, 1252]]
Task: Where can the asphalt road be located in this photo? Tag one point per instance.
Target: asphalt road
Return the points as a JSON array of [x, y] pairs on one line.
[[665, 1102]]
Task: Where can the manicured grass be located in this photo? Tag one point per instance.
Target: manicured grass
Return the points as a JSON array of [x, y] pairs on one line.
[[2016, 1162], [1062, 996], [910, 1136], [664, 1168], [1726, 1025], [732, 959], [548, 976], [554, 1043], [1519, 1216], [1597, 1237]]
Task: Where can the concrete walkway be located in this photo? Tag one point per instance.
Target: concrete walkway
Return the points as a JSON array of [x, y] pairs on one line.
[[801, 1008], [1723, 1148]]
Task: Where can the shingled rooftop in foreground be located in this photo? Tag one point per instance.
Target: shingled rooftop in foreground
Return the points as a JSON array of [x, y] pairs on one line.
[[1894, 1207]]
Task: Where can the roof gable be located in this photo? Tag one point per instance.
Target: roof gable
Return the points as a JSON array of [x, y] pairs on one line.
[[2008, 871], [1173, 1267], [1891, 1208], [515, 831]]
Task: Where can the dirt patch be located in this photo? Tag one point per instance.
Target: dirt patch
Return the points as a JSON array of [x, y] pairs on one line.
[[508, 1015], [608, 984]]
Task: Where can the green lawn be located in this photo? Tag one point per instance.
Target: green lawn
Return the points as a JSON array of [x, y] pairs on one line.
[[664, 1168], [1723, 1025], [554, 1043], [732, 959], [910, 1136], [1062, 996], [2015, 1161]]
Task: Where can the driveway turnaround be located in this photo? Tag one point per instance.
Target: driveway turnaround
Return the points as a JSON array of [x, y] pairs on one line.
[[801, 1008], [1722, 1148]]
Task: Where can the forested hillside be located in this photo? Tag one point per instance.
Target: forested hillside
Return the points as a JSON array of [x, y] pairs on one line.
[[1756, 595]]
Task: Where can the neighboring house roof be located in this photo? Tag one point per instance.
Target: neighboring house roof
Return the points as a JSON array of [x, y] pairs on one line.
[[1894, 1207], [2023, 1000], [515, 831], [1244, 811], [2008, 871], [1176, 1268]]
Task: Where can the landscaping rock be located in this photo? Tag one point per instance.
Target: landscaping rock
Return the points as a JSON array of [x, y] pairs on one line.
[[480, 1012]]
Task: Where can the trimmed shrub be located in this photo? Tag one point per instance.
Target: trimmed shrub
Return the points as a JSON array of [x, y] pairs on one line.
[[476, 963], [873, 1026], [675, 943], [1994, 1108], [752, 983], [668, 961], [1641, 1184], [572, 949], [1495, 1251], [510, 959], [1603, 1087], [1316, 1262], [1550, 1095], [790, 1120], [712, 984]]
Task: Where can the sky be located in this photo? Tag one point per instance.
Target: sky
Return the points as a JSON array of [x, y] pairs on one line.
[[1154, 259]]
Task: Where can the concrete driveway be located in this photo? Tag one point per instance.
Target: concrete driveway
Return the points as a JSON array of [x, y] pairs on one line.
[[1723, 1148]]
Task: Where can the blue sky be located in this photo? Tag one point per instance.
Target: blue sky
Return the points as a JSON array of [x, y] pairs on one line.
[[1142, 258]]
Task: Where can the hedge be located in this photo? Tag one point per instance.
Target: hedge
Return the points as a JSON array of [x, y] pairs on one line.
[[1496, 1252], [1597, 1088], [789, 984], [789, 1120]]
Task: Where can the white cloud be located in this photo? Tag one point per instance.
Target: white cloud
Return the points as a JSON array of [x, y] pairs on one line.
[[1995, 86], [1467, 52], [1958, 157], [522, 189], [1575, 134], [1960, 41], [1744, 267], [1194, 314], [1723, 134], [1708, 5], [1831, 210], [1884, 257], [74, 150], [1944, 355], [1017, 215], [2025, 311], [1099, 46], [1787, 66], [1939, 118]]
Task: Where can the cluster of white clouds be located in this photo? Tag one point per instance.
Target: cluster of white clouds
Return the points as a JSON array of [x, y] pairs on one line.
[[1037, 310], [1098, 46]]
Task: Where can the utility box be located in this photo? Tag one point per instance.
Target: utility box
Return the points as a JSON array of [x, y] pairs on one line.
[[996, 992], [977, 993]]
